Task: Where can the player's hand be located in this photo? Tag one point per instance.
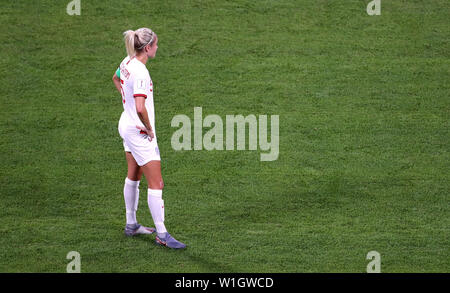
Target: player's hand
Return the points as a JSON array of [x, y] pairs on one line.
[[149, 132]]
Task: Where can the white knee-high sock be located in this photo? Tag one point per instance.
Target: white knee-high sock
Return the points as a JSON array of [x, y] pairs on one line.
[[156, 205], [131, 196]]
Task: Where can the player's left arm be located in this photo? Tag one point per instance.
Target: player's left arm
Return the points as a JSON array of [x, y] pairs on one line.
[[116, 80]]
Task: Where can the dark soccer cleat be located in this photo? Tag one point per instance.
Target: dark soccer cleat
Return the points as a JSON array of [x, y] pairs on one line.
[[131, 230], [169, 241]]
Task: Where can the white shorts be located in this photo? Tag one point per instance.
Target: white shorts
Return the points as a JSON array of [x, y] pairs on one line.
[[138, 145]]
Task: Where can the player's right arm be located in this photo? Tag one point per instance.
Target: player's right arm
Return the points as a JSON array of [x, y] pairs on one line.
[[143, 116], [140, 90]]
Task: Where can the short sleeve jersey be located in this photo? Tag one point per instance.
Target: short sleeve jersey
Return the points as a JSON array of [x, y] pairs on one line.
[[136, 82]]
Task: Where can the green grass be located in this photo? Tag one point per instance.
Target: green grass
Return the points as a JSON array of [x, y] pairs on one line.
[[364, 136]]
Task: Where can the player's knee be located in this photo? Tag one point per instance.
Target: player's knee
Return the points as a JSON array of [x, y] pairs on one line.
[[134, 176], [156, 184]]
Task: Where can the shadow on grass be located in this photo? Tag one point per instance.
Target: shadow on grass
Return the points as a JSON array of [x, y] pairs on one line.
[[190, 254]]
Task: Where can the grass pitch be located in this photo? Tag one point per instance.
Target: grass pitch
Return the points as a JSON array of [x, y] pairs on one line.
[[364, 136]]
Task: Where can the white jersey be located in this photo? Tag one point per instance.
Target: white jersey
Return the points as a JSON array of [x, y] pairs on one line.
[[135, 81]]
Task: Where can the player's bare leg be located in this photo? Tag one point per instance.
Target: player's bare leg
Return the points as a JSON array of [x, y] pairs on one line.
[[134, 171]]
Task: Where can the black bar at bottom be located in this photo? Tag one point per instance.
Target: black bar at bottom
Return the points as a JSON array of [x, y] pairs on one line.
[[213, 282]]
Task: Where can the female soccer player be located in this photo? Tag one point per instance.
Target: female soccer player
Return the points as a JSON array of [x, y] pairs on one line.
[[137, 129]]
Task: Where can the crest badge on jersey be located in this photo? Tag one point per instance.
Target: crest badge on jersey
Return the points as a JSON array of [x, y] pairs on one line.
[[140, 84]]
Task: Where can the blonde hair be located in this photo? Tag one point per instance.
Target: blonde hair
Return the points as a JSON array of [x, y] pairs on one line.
[[135, 41]]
